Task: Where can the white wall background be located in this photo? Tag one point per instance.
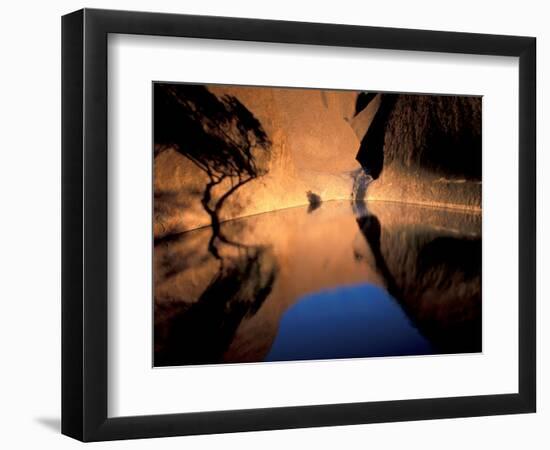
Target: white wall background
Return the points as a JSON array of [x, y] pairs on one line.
[[30, 223]]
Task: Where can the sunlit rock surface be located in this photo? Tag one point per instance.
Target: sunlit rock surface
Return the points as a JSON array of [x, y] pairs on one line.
[[418, 149], [312, 147]]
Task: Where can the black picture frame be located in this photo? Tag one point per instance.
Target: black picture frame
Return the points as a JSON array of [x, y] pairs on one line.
[[84, 224]]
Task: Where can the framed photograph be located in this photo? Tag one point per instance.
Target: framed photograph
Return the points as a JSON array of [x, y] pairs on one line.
[[273, 224]]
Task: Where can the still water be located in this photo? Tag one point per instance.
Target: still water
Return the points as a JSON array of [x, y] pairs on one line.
[[343, 280]]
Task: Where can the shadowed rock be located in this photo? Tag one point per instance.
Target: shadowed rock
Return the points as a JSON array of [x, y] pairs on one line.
[[425, 149]]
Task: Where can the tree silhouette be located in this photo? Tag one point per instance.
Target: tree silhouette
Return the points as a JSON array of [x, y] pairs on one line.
[[218, 134]]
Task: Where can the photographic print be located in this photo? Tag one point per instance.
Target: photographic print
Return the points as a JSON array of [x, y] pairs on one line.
[[294, 224]]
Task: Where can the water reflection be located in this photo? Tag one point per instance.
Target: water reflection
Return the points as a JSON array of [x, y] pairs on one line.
[[346, 322], [342, 280]]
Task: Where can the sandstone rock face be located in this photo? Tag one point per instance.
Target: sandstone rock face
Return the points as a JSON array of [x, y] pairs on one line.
[[223, 152], [426, 150], [312, 147], [312, 124]]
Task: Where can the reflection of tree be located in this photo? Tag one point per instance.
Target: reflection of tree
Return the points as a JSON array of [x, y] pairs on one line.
[[228, 144], [219, 135], [202, 331]]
